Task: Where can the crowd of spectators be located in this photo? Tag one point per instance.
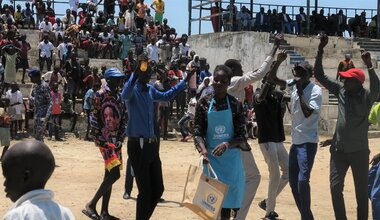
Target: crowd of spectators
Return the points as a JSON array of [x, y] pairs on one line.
[[274, 21]]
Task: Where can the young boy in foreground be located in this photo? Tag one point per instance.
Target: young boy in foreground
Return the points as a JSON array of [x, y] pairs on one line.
[[27, 166]]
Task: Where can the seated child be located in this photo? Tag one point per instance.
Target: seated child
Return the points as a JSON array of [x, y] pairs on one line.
[[27, 166]]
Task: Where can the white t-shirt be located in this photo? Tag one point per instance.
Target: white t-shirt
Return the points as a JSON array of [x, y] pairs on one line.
[[62, 47], [59, 28], [305, 130], [14, 98], [105, 39], [183, 50], [46, 27], [152, 52], [46, 49], [38, 205]]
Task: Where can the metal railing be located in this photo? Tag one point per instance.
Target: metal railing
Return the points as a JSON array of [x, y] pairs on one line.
[[292, 10]]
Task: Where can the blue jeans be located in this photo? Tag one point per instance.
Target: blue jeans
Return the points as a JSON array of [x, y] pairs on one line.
[[301, 160], [374, 190], [181, 123]]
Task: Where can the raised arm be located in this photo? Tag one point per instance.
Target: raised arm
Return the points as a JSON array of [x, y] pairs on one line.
[[319, 73], [373, 79], [127, 92]]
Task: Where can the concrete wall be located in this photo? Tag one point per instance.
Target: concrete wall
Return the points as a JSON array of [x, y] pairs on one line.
[[249, 47]]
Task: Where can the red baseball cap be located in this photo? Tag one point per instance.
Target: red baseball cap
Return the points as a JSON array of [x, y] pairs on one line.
[[354, 73]]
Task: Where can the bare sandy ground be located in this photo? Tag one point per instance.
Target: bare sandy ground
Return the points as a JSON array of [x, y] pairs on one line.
[[80, 170]]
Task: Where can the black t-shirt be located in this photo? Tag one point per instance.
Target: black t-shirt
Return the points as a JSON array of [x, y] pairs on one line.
[[269, 117]]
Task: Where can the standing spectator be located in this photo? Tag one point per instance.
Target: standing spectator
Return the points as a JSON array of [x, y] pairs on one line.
[[321, 21], [374, 186], [275, 22], [88, 106], [141, 8], [41, 11], [107, 125], [139, 41], [123, 5], [46, 28], [105, 45], [176, 50], [129, 19], [5, 121], [10, 53], [28, 16], [109, 7], [53, 77], [269, 111], [349, 147], [24, 63], [219, 131], [42, 103], [189, 115], [342, 23], [152, 51], [73, 75], [184, 46], [151, 31], [126, 44], [45, 53], [55, 114], [14, 110], [62, 50], [142, 140], [306, 100], [159, 7], [59, 30], [287, 22], [68, 112], [129, 63], [204, 73], [74, 8], [345, 65], [215, 20], [301, 19], [261, 23]]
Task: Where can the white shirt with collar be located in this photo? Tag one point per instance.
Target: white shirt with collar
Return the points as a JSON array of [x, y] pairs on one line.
[[305, 130], [38, 205], [45, 49], [46, 27], [152, 52]]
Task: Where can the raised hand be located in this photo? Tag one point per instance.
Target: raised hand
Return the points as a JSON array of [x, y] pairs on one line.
[[366, 57], [324, 40], [282, 56]]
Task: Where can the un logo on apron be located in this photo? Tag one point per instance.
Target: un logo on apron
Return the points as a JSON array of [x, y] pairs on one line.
[[220, 129]]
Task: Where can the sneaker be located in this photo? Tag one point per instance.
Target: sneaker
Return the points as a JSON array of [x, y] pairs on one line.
[[126, 196], [271, 216]]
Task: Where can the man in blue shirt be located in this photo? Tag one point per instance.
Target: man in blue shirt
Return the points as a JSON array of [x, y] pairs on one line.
[[143, 150], [374, 186]]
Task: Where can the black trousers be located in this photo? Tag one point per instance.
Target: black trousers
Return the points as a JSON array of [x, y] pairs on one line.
[[146, 165], [140, 23], [339, 164], [128, 186]]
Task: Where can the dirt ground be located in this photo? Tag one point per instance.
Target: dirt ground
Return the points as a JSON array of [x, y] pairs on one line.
[[80, 169]]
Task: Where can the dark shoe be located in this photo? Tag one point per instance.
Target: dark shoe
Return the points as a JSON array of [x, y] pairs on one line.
[[271, 216], [161, 200], [126, 196], [91, 213], [263, 205]]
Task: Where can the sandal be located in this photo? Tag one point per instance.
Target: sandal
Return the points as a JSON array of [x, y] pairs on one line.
[[91, 214]]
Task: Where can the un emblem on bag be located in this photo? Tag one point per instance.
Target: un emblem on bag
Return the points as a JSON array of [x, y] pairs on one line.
[[212, 199], [220, 129]]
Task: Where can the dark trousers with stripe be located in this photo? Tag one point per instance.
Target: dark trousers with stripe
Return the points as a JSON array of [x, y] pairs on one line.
[[146, 165]]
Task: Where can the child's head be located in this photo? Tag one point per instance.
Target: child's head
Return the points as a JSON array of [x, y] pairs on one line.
[[26, 166]]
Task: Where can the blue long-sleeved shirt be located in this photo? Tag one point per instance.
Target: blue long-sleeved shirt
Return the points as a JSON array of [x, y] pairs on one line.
[[374, 190], [139, 99]]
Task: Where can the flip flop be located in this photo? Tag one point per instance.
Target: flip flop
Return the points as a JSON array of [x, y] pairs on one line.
[[91, 214]]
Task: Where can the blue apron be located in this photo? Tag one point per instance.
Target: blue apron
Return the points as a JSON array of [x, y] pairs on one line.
[[228, 167]]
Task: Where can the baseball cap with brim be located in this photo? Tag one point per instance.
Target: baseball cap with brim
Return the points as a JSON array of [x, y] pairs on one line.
[[33, 71], [113, 72], [354, 73]]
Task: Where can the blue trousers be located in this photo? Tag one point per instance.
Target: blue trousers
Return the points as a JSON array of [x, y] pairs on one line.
[[374, 191], [301, 160]]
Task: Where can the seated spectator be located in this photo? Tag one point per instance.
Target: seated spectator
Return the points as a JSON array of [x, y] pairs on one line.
[[59, 31], [7, 15], [105, 46], [110, 20], [287, 23], [68, 19], [261, 22], [18, 16], [34, 163], [46, 28], [100, 21], [301, 19], [67, 111], [50, 13], [342, 23], [10, 26], [28, 16], [41, 11], [204, 73]]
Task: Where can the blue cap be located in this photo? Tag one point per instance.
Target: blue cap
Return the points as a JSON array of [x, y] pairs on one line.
[[33, 71], [113, 72]]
